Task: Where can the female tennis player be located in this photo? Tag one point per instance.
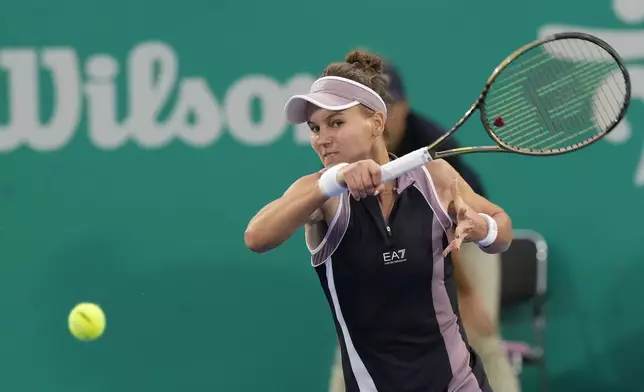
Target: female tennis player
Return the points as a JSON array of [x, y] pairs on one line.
[[382, 250]]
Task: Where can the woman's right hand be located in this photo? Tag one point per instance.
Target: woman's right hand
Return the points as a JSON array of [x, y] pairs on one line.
[[362, 178]]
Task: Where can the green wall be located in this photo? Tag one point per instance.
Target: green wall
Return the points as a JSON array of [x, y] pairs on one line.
[[134, 142]]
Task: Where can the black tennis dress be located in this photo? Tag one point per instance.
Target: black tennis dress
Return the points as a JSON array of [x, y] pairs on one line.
[[393, 295]]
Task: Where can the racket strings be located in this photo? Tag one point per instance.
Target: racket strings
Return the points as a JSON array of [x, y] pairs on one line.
[[562, 105], [556, 96], [565, 106], [590, 54], [530, 115]]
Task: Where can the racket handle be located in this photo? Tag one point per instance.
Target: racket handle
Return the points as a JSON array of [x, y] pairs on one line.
[[332, 184], [404, 164]]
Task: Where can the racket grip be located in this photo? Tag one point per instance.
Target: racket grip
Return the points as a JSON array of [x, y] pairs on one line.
[[404, 164]]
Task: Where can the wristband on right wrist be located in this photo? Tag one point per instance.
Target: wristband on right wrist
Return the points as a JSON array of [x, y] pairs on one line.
[[328, 182]]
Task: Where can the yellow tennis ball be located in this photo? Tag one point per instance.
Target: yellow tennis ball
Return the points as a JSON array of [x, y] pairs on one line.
[[86, 321]]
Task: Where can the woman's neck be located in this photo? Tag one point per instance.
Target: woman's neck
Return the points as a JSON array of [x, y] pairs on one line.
[[380, 154]]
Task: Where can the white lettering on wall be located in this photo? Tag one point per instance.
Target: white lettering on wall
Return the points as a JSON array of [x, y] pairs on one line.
[[153, 86]]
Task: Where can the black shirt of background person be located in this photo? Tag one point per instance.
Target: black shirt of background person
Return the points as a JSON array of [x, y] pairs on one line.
[[420, 132]]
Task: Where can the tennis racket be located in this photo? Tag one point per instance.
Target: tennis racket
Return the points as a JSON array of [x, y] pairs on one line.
[[550, 97]]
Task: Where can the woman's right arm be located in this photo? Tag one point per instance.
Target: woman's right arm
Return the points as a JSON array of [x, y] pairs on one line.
[[280, 219]]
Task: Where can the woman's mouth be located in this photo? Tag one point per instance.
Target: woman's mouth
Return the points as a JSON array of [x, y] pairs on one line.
[[329, 154]]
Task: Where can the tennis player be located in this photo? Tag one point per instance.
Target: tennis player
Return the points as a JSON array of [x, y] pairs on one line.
[[382, 250]]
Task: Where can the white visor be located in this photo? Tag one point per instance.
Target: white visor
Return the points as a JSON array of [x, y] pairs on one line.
[[333, 93]]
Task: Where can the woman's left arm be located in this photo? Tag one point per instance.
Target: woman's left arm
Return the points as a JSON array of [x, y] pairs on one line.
[[466, 206]]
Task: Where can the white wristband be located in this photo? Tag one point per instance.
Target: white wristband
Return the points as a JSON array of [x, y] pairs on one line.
[[328, 183], [492, 231]]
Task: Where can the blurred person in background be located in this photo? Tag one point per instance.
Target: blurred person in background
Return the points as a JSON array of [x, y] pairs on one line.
[[477, 273]]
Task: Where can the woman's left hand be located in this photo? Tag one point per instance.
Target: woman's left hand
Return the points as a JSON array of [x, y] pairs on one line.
[[470, 226]]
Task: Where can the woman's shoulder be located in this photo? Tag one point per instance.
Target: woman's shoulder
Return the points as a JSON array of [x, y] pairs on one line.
[[442, 172]]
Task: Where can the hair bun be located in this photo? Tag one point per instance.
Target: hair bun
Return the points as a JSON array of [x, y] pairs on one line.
[[364, 60]]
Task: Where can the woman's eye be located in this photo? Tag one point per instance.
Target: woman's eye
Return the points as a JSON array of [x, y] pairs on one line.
[[337, 124]]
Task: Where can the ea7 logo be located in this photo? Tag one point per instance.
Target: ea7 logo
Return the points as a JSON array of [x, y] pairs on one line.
[[396, 256]]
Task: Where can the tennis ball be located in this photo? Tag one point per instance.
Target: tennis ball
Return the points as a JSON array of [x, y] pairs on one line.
[[86, 321]]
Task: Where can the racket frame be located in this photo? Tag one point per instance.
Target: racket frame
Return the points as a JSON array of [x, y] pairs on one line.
[[480, 105]]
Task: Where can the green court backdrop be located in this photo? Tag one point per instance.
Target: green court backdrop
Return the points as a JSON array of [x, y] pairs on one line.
[[137, 138]]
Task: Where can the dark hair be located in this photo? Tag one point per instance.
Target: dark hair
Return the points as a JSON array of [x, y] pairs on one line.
[[362, 67]]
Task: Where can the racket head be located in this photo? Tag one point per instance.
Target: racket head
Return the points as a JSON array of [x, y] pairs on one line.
[[556, 95]]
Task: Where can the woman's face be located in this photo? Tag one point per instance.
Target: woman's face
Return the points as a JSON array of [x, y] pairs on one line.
[[344, 136]]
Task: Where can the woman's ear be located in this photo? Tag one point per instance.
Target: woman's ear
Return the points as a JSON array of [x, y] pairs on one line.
[[379, 123]]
